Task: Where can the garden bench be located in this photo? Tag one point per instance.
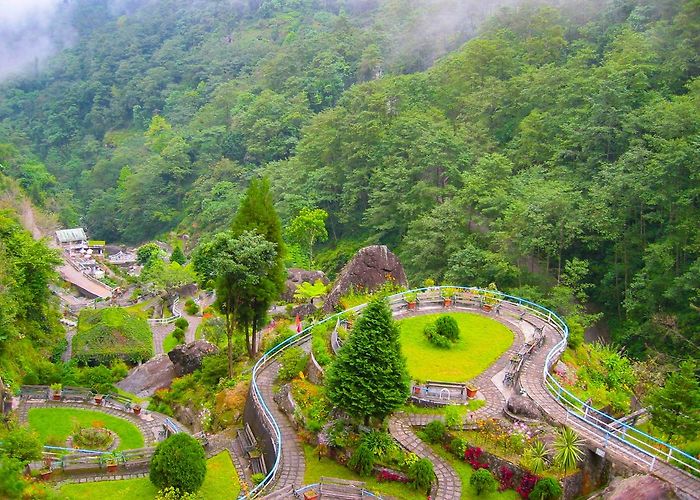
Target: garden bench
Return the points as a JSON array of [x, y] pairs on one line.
[[32, 392], [247, 438], [257, 464], [117, 401]]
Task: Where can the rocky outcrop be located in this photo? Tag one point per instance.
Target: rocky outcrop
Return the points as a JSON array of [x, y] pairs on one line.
[[368, 270], [296, 277], [639, 488], [146, 379], [187, 358], [522, 406]]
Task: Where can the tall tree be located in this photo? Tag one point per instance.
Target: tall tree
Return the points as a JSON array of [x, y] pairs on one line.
[[257, 212], [369, 377], [675, 407], [307, 228], [236, 267]]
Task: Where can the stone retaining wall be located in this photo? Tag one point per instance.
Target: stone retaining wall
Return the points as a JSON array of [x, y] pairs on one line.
[[314, 371], [253, 415]]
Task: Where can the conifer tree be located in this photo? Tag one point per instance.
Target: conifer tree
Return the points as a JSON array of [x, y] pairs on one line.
[[178, 256], [675, 407], [369, 377], [257, 213]]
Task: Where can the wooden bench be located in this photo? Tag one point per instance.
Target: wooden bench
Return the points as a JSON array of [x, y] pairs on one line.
[[257, 462], [247, 438], [118, 402]]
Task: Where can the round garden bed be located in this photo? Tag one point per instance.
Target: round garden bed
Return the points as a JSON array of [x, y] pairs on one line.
[[482, 341]]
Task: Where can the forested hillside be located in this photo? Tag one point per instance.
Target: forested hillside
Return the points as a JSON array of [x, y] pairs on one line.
[[555, 154]]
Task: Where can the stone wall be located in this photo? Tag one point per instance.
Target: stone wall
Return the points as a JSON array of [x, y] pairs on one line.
[[254, 416]]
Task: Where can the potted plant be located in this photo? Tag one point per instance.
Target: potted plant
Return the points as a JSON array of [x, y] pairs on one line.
[[137, 409], [447, 296], [98, 399], [112, 462], [471, 391], [56, 389], [45, 474], [410, 299], [310, 495]]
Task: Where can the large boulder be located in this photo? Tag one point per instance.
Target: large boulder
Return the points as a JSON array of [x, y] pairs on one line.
[[146, 379], [296, 277], [522, 406], [188, 357], [368, 270], [640, 488]]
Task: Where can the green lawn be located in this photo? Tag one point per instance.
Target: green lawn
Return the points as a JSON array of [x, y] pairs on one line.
[[326, 467], [471, 405], [169, 343], [220, 483], [465, 471], [57, 424], [482, 341]]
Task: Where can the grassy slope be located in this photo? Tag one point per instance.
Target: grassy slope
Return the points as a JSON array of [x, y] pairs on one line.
[[482, 341], [59, 422], [221, 482]]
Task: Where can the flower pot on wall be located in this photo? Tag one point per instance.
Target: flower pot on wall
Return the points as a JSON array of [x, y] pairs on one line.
[[471, 391], [447, 302], [487, 307], [111, 467], [411, 305]]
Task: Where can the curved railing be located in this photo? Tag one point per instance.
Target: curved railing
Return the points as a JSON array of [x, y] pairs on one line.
[[614, 430], [177, 313]]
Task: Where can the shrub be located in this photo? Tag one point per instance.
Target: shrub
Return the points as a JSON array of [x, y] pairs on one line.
[[11, 483], [446, 326], [435, 431], [472, 455], [93, 438], [568, 449], [171, 493], [431, 334], [362, 461], [318, 345], [483, 481], [422, 474], [535, 457], [191, 307], [458, 447], [97, 378], [293, 361], [380, 443], [505, 478], [257, 478], [179, 335], [181, 323], [105, 335], [179, 462], [546, 489], [22, 444], [119, 370], [527, 484], [452, 416]]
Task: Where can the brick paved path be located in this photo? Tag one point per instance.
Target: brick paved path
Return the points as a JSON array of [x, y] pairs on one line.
[[159, 334], [448, 485], [292, 465]]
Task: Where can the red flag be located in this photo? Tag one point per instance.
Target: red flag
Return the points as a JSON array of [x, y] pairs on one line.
[[298, 322]]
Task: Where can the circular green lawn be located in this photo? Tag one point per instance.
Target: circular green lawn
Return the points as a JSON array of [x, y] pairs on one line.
[[54, 425], [482, 341]]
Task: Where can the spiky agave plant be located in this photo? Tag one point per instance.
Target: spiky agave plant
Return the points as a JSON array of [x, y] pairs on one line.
[[568, 449], [535, 457]]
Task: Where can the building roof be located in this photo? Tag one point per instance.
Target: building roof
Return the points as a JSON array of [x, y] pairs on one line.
[[70, 235]]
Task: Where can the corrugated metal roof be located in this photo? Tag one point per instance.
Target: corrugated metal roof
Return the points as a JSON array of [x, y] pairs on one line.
[[69, 235]]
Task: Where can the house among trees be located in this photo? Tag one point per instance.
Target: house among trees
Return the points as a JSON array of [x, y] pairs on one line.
[[72, 240]]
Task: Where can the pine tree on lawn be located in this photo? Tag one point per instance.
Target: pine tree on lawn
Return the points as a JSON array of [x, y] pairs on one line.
[[369, 377]]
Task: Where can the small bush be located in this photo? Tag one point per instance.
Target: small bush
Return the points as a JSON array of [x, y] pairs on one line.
[[435, 337], [453, 417], [181, 323], [546, 489], [483, 481], [179, 461], [422, 474], [318, 345], [293, 361], [179, 335], [171, 493], [362, 461], [435, 431], [458, 447], [447, 327], [22, 444], [191, 307], [380, 443], [257, 478]]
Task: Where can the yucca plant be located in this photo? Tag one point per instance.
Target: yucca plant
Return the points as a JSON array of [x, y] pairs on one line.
[[535, 457], [568, 449]]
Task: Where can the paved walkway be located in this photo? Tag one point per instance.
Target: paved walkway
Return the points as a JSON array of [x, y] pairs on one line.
[[292, 465], [448, 485], [159, 334]]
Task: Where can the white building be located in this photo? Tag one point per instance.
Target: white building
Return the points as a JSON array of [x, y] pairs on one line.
[[72, 239]]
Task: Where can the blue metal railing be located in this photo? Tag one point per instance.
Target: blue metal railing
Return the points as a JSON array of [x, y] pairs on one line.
[[572, 404]]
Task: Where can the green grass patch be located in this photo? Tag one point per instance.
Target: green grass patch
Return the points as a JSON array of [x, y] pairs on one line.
[[315, 469], [169, 342], [472, 405], [465, 471], [56, 424], [112, 333], [220, 483], [482, 341]]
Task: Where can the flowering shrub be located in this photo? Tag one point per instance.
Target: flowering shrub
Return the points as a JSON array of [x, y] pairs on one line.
[[505, 478], [389, 475], [472, 455], [527, 484]]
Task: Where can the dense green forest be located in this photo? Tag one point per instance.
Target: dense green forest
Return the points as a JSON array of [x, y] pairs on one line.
[[555, 153]]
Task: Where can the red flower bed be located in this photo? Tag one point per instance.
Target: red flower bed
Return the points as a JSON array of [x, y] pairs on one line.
[[472, 455], [387, 475]]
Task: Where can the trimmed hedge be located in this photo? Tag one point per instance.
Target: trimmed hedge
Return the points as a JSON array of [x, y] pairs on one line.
[[179, 461], [105, 335]]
